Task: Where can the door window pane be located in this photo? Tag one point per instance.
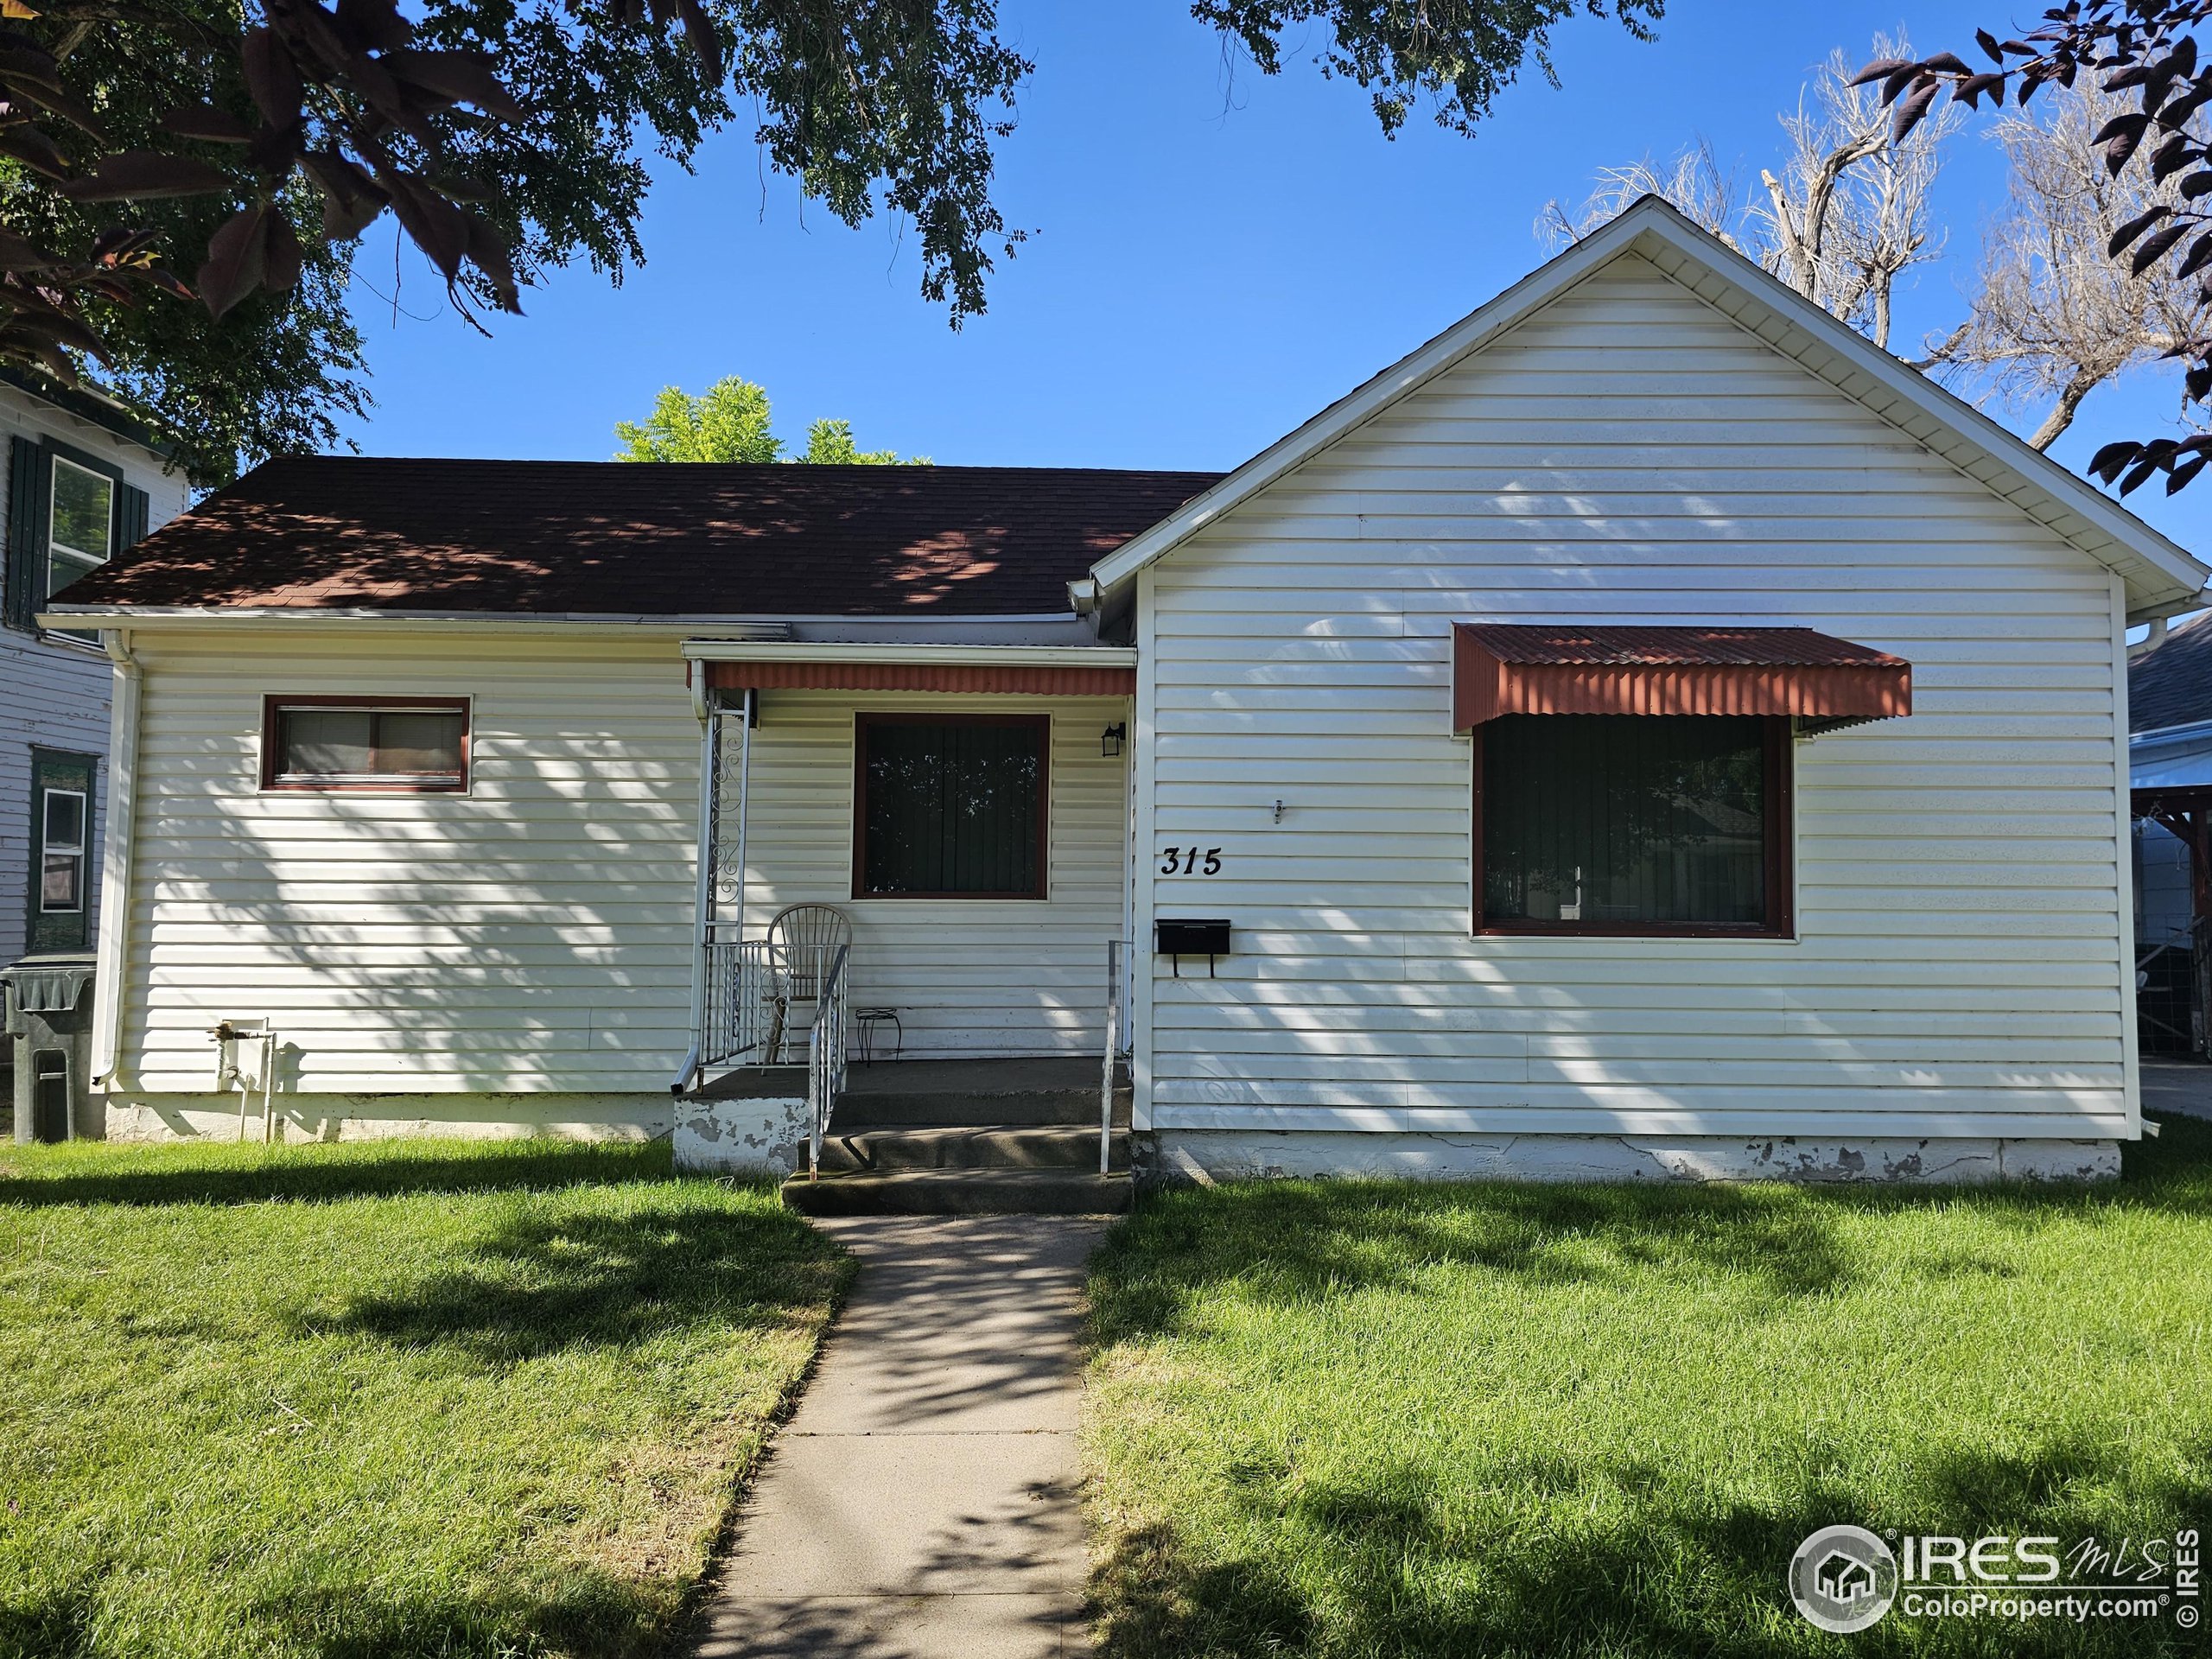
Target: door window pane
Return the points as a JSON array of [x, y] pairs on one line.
[[952, 807], [1617, 820]]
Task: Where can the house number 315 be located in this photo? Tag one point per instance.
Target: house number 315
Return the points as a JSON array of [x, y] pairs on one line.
[[1189, 861]]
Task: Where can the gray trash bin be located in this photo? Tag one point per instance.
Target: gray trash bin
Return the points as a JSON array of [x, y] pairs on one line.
[[50, 1027]]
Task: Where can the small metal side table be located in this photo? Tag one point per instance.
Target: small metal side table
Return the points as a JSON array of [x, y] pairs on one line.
[[870, 1020]]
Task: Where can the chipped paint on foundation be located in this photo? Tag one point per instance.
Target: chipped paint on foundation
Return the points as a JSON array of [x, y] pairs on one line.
[[760, 1135], [1175, 1157]]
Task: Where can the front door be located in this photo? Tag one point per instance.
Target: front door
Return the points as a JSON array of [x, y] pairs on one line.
[[62, 852]]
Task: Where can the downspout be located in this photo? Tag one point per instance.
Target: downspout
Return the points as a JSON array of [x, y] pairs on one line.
[[703, 887], [114, 944]]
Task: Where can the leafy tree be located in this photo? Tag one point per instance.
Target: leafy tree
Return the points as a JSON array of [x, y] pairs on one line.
[[730, 421], [253, 146], [2147, 47]]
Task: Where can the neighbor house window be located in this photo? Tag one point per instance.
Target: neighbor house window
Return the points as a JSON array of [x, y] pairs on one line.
[[62, 852], [69, 513], [61, 838], [81, 534], [1632, 824], [950, 807], [332, 743]]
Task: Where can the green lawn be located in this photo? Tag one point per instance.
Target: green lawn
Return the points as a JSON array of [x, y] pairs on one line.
[[421, 1398], [1355, 1418]]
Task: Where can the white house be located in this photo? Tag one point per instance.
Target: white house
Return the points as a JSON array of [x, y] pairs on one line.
[[1646, 732]]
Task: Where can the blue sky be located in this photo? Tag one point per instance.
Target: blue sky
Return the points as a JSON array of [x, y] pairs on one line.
[[1214, 254]]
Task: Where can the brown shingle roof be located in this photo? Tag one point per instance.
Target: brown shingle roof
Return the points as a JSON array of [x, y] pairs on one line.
[[598, 537]]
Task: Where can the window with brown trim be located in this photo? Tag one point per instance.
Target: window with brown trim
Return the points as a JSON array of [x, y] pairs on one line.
[[949, 805], [373, 743], [1655, 824]]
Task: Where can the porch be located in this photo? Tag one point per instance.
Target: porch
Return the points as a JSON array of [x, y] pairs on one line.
[[913, 885]]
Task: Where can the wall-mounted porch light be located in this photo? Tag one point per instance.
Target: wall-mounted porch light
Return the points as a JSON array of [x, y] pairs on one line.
[[1110, 740]]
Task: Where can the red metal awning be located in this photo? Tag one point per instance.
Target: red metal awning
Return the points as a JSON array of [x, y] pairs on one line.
[[1034, 679], [1501, 669]]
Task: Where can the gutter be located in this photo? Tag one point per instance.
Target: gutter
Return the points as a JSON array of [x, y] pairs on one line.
[[117, 857]]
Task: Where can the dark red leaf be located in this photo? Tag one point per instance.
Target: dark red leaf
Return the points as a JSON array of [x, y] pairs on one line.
[[434, 224], [144, 175], [35, 151], [237, 256], [2108, 461], [2155, 244], [458, 78], [2138, 476], [1988, 42], [2135, 227], [206, 123], [2179, 478], [699, 29], [282, 262], [1913, 106], [351, 200], [2200, 253], [19, 253], [374, 23], [272, 76], [1947, 63]]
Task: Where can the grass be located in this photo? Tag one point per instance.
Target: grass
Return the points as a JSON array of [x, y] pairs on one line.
[[1356, 1419], [422, 1398]]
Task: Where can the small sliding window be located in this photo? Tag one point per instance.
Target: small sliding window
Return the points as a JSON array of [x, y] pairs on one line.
[[411, 744]]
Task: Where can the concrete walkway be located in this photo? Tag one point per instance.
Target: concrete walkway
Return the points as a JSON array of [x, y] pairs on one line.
[[923, 1500]]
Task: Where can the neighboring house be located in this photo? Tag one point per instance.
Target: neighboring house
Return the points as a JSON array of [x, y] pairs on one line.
[[84, 481], [2169, 759], [1648, 731]]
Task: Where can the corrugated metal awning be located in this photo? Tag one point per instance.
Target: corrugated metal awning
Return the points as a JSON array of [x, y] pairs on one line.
[[1823, 682], [1034, 679]]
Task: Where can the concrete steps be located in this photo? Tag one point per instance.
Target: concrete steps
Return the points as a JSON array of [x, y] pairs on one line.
[[1005, 1145], [960, 1192], [967, 1138]]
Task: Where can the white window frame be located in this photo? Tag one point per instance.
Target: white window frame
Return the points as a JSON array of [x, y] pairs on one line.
[[47, 849]]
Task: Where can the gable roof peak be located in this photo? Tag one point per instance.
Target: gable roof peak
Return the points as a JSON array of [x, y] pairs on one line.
[[2162, 577]]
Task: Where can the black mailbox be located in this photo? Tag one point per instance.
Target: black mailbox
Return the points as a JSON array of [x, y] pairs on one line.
[[1187, 936]]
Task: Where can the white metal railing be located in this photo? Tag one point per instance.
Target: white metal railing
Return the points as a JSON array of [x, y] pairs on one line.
[[825, 1058], [738, 1017], [1112, 1053]]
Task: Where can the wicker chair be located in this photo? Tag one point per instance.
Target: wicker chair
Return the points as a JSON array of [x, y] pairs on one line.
[[803, 941]]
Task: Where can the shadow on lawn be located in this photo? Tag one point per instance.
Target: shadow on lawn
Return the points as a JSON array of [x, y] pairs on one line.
[[1291, 1242], [544, 1283], [355, 1170], [1533, 1570]]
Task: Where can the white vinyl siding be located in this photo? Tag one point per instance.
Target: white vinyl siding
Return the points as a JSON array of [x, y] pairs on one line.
[[974, 976], [1629, 455], [531, 936]]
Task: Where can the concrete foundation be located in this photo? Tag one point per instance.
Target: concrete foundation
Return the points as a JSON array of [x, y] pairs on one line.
[[1177, 1156], [749, 1134], [138, 1116]]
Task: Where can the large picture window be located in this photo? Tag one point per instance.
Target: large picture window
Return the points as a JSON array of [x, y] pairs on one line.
[[950, 807], [1632, 824], [337, 743]]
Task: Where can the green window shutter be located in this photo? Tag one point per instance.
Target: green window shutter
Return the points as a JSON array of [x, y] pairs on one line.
[[130, 506], [30, 482]]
